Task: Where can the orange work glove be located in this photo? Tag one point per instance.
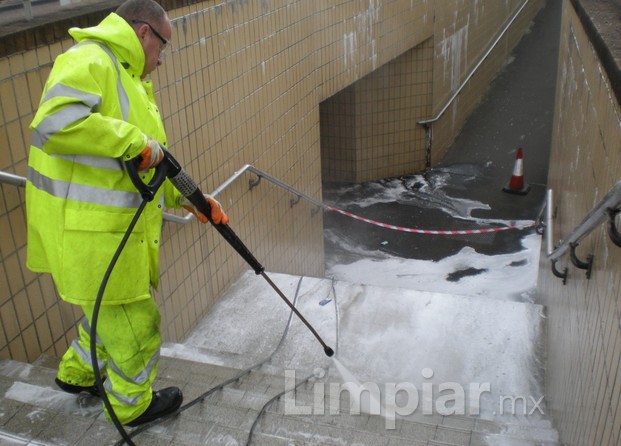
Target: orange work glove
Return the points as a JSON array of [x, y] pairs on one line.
[[218, 216], [151, 156]]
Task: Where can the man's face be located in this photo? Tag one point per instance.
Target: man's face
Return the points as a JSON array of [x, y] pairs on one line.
[[155, 41]]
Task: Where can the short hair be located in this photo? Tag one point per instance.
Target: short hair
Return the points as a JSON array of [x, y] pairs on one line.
[[147, 10]]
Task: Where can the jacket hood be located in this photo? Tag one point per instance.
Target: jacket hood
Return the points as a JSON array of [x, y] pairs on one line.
[[119, 37]]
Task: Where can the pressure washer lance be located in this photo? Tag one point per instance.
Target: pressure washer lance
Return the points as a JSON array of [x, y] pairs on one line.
[[170, 168]]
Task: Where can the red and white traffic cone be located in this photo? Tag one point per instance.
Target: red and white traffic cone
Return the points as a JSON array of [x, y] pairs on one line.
[[516, 183]]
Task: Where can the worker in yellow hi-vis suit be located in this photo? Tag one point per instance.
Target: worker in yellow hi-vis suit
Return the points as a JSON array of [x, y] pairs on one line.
[[98, 110]]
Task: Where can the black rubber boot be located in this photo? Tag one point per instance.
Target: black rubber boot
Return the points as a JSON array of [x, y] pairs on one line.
[[72, 388], [164, 402]]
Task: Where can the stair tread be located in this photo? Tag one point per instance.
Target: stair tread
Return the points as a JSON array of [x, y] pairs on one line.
[[238, 406], [27, 389]]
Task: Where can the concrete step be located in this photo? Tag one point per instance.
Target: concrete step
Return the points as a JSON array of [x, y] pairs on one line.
[[23, 423], [33, 410], [448, 429], [255, 389]]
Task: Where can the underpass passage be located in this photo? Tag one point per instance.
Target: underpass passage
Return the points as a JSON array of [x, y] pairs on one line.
[[434, 200], [517, 111]]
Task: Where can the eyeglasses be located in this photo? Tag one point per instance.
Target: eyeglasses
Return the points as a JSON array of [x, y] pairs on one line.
[[166, 47]]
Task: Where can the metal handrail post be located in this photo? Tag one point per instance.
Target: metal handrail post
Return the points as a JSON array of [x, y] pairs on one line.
[[549, 215]]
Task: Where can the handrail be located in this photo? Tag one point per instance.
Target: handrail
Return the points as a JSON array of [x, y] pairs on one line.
[[426, 123], [268, 177], [19, 181], [602, 211], [15, 180]]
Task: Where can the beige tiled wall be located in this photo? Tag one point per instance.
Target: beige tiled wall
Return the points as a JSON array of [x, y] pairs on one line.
[[583, 388], [245, 84], [371, 131]]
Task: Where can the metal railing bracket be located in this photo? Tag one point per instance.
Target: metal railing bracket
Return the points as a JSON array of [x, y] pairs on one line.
[[294, 201], [587, 265], [557, 273], [613, 232], [252, 182]]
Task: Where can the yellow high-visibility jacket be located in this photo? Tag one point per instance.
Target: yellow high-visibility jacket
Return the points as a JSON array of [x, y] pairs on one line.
[[95, 113]]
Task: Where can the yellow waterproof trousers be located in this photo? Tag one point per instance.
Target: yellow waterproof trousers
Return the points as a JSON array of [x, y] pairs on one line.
[[128, 347]]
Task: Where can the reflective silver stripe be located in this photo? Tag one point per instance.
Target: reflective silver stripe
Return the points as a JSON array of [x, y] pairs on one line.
[[57, 121], [122, 398], [142, 376], [87, 328], [99, 162], [68, 115], [86, 355], [58, 90], [83, 193], [90, 103]]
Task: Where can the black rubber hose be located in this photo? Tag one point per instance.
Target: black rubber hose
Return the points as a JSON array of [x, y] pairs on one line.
[[95, 316]]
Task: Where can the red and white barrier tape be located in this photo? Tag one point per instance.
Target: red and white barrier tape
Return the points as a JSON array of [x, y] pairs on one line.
[[428, 231]]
